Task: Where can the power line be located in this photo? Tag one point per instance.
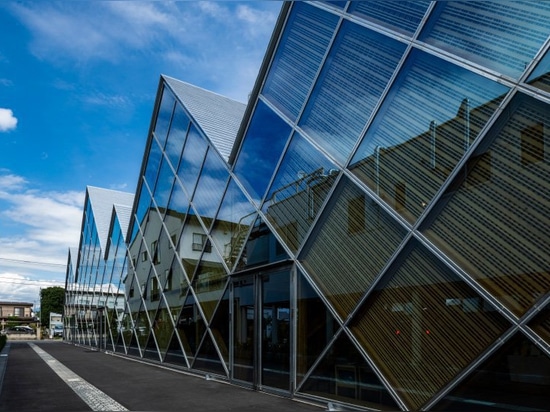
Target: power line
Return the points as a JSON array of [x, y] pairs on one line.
[[33, 262]]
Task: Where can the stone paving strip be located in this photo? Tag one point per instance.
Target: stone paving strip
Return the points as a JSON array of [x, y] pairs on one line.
[[96, 399]]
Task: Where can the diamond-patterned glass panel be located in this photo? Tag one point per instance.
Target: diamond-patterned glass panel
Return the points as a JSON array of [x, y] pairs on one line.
[[164, 185], [220, 326], [164, 115], [541, 324], [163, 328], [153, 164], [261, 247], [494, 219], [190, 327], [304, 42], [232, 224], [208, 359], [315, 327], [344, 375], [192, 159], [404, 16], [350, 245], [515, 377], [298, 191], [356, 73], [540, 77], [210, 187], [209, 283], [422, 325], [261, 150], [432, 114], [176, 137], [500, 35]]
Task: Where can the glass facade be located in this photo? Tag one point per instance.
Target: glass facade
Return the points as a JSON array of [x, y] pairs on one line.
[[379, 235]]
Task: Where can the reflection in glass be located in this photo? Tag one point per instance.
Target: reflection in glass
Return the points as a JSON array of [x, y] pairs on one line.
[[300, 187], [232, 223], [164, 115], [541, 324], [494, 219], [208, 359], [260, 248], [164, 185], [344, 375], [190, 327], [275, 329], [220, 326], [189, 250], [176, 137], [315, 327], [209, 284], [299, 54], [432, 114], [541, 75], [244, 329], [516, 377], [422, 325], [357, 71], [142, 208], [177, 206], [153, 164], [261, 150], [501, 35], [192, 159], [350, 245], [403, 17], [210, 187], [163, 328], [142, 328]]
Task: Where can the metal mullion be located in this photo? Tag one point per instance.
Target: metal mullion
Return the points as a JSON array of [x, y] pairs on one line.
[[320, 358], [465, 277], [464, 373], [389, 387], [465, 158], [323, 60]]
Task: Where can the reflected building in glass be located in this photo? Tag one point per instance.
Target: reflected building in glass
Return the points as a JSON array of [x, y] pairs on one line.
[[372, 229]]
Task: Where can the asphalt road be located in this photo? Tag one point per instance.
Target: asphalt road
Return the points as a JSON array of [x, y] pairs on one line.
[[55, 376]]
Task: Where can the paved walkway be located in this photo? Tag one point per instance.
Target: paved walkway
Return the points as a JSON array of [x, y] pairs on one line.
[[55, 376]]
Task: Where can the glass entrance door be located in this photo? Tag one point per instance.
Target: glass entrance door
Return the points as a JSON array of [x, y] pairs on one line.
[[261, 329]]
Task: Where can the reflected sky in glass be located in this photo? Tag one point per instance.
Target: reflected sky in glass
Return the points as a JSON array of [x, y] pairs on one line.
[[192, 159], [176, 137], [211, 185], [428, 89], [164, 115], [261, 150]]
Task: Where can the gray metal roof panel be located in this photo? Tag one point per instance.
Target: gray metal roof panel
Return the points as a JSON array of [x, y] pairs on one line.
[[123, 213], [102, 201], [218, 116]]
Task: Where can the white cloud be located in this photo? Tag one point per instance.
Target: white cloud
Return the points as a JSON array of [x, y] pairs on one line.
[[36, 230], [7, 120]]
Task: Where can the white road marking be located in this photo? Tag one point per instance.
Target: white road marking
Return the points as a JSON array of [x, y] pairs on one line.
[[96, 399]]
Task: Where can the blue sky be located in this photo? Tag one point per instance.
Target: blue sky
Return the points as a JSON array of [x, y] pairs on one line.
[[77, 87]]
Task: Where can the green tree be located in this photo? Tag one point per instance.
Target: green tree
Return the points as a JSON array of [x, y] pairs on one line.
[[51, 300]]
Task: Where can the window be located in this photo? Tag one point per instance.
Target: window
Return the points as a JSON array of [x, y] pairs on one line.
[[155, 293], [156, 252], [144, 256], [144, 290], [168, 284], [19, 312], [200, 241], [532, 144]]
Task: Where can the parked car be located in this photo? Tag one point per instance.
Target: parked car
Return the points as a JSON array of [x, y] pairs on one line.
[[18, 330], [57, 329]]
